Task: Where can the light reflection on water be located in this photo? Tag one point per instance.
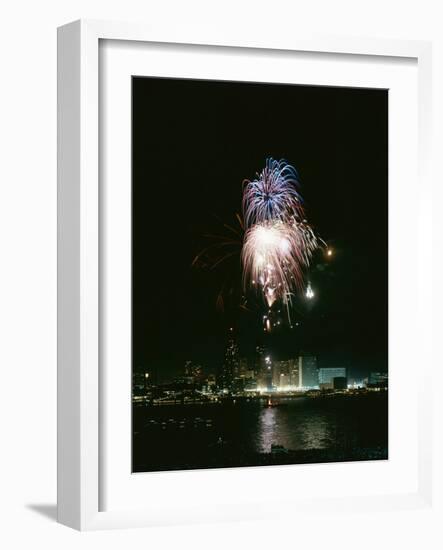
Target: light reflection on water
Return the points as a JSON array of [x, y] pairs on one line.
[[244, 432], [293, 428], [267, 425]]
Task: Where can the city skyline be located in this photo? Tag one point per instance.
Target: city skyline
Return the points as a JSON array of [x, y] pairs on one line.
[[316, 374], [324, 361]]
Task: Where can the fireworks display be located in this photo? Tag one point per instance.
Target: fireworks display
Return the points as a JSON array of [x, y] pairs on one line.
[[278, 243], [273, 195], [275, 244]]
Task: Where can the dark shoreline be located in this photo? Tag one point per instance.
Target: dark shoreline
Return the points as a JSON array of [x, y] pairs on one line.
[[312, 456]]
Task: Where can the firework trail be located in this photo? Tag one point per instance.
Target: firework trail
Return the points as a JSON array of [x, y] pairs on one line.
[[221, 257], [278, 244]]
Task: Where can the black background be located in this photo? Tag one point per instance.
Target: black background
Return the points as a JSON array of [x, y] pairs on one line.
[[194, 142]]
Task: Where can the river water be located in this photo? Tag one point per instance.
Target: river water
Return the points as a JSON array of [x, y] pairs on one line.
[[243, 433]]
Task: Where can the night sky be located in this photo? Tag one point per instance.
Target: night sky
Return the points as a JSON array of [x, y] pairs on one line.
[[194, 142]]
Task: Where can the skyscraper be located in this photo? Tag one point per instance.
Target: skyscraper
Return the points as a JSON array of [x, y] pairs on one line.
[[259, 359], [285, 374], [308, 371], [294, 373], [268, 373], [231, 363]]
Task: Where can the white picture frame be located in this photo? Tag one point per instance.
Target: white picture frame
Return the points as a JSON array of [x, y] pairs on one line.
[[80, 437]]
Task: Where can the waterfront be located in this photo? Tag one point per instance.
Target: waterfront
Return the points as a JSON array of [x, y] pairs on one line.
[[250, 432]]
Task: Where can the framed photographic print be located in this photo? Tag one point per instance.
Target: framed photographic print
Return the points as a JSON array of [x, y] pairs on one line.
[[259, 303], [238, 230]]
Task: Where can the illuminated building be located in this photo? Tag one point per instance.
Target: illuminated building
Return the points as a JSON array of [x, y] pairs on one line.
[[193, 371], [251, 384], [210, 380], [209, 384], [231, 364], [294, 373], [379, 379], [259, 359], [308, 371], [278, 370], [242, 367], [285, 375], [268, 373], [333, 378], [263, 368]]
